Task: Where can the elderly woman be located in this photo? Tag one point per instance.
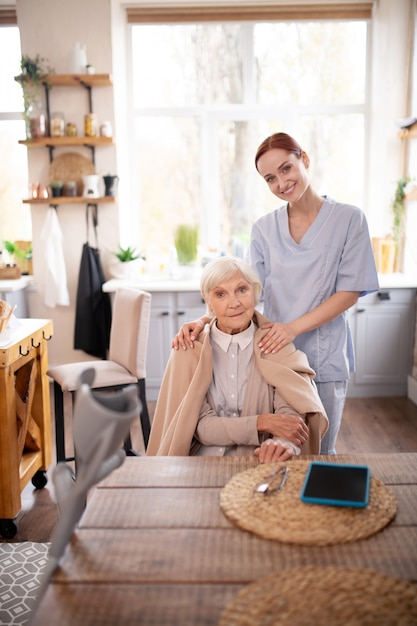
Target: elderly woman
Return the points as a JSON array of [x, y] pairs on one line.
[[226, 397]]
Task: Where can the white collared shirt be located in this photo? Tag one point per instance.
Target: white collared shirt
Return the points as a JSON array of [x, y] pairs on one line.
[[231, 359]]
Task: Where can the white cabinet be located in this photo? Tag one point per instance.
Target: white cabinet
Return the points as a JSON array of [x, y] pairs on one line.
[[169, 311], [382, 326]]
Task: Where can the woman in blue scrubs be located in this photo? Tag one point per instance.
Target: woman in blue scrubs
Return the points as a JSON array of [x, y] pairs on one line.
[[314, 258]]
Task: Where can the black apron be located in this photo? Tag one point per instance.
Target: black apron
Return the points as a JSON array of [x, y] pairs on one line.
[[93, 306]]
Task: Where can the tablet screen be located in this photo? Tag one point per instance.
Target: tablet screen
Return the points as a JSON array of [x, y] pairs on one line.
[[336, 484]]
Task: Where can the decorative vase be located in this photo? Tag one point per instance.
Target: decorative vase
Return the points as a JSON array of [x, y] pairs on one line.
[[129, 270], [78, 59], [91, 186]]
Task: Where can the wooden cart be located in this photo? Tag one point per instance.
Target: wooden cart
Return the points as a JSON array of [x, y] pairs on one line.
[[25, 419]]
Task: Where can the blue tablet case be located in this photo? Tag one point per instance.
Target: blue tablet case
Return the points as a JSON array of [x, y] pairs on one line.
[[337, 484]]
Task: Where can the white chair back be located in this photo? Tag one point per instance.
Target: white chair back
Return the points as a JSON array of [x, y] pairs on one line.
[[130, 329]]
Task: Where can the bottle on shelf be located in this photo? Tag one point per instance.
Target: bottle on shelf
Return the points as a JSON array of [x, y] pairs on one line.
[[57, 125], [37, 121], [90, 125]]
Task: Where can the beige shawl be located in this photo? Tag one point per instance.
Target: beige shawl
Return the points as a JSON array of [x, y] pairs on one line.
[[188, 376]]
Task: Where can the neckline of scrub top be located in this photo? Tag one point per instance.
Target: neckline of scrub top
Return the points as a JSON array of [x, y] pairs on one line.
[[312, 231]]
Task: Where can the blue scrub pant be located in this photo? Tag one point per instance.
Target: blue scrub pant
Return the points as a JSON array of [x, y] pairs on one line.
[[333, 396]]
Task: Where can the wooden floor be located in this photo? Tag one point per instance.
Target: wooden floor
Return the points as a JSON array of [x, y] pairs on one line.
[[369, 425]]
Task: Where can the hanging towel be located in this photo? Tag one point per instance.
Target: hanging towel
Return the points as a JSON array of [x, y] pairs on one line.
[[55, 286]]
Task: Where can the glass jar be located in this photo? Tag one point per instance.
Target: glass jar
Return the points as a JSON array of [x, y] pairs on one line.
[[57, 127], [71, 129], [90, 125], [70, 188], [106, 129], [37, 121]]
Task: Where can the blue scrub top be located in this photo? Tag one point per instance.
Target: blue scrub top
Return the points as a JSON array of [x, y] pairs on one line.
[[335, 254]]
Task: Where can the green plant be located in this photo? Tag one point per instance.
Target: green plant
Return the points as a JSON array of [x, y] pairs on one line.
[[33, 76], [185, 241], [56, 184], [127, 254], [398, 210], [16, 252]]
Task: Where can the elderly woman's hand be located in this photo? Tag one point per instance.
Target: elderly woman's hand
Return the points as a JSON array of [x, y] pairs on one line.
[[270, 451], [290, 427], [279, 335], [188, 333]]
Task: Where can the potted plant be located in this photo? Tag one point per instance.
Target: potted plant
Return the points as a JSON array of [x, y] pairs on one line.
[[22, 256], [125, 255], [185, 241], [398, 224], [56, 188], [33, 77], [127, 263]]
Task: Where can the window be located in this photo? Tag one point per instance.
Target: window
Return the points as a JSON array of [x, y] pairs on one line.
[[15, 223], [204, 96]]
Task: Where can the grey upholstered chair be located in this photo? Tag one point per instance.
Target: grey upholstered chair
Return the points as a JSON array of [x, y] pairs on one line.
[[126, 364]]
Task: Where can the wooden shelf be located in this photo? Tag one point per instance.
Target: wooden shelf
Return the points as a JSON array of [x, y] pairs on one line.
[[75, 80], [70, 200], [407, 133], [55, 142]]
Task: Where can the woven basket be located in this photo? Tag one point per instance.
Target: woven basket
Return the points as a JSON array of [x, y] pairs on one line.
[[6, 311], [284, 517], [71, 166], [12, 272], [336, 596]]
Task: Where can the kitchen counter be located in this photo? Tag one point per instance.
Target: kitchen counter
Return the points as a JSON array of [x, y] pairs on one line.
[[153, 284], [7, 286], [397, 281], [13, 291], [161, 284]]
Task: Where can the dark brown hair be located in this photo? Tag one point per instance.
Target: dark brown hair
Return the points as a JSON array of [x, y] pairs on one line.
[[282, 141]]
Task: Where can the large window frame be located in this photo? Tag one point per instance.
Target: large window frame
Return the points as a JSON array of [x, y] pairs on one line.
[[16, 223], [258, 13]]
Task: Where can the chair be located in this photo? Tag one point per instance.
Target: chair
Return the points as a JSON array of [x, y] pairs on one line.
[[126, 364]]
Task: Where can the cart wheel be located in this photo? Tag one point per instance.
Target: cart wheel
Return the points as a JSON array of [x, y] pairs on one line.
[[8, 528], [39, 479]]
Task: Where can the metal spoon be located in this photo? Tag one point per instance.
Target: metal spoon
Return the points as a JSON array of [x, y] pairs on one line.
[[266, 485]]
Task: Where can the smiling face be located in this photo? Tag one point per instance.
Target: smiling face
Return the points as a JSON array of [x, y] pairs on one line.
[[233, 303], [285, 173]]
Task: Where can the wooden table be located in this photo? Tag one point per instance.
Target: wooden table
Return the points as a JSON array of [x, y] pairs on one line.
[[153, 546], [25, 433]]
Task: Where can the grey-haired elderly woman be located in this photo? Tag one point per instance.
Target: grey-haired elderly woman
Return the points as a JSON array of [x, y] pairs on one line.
[[226, 397]]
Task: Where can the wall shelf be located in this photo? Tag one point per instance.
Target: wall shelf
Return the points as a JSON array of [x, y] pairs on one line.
[[75, 80], [55, 142], [70, 200], [407, 133]]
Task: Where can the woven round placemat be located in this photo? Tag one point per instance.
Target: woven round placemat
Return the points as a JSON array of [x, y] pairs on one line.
[[283, 516], [71, 166], [324, 595]]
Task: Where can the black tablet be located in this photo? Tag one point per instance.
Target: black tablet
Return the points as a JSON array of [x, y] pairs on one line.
[[336, 484]]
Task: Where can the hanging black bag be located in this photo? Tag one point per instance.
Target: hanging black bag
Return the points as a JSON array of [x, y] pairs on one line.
[[93, 307]]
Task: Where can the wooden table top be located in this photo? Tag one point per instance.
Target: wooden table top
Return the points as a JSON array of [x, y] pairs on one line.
[[154, 547]]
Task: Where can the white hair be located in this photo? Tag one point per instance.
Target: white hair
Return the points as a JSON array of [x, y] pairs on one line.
[[222, 268]]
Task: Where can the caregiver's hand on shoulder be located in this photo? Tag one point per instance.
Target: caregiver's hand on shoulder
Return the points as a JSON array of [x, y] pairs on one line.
[[270, 451], [290, 427], [188, 333], [279, 335]]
